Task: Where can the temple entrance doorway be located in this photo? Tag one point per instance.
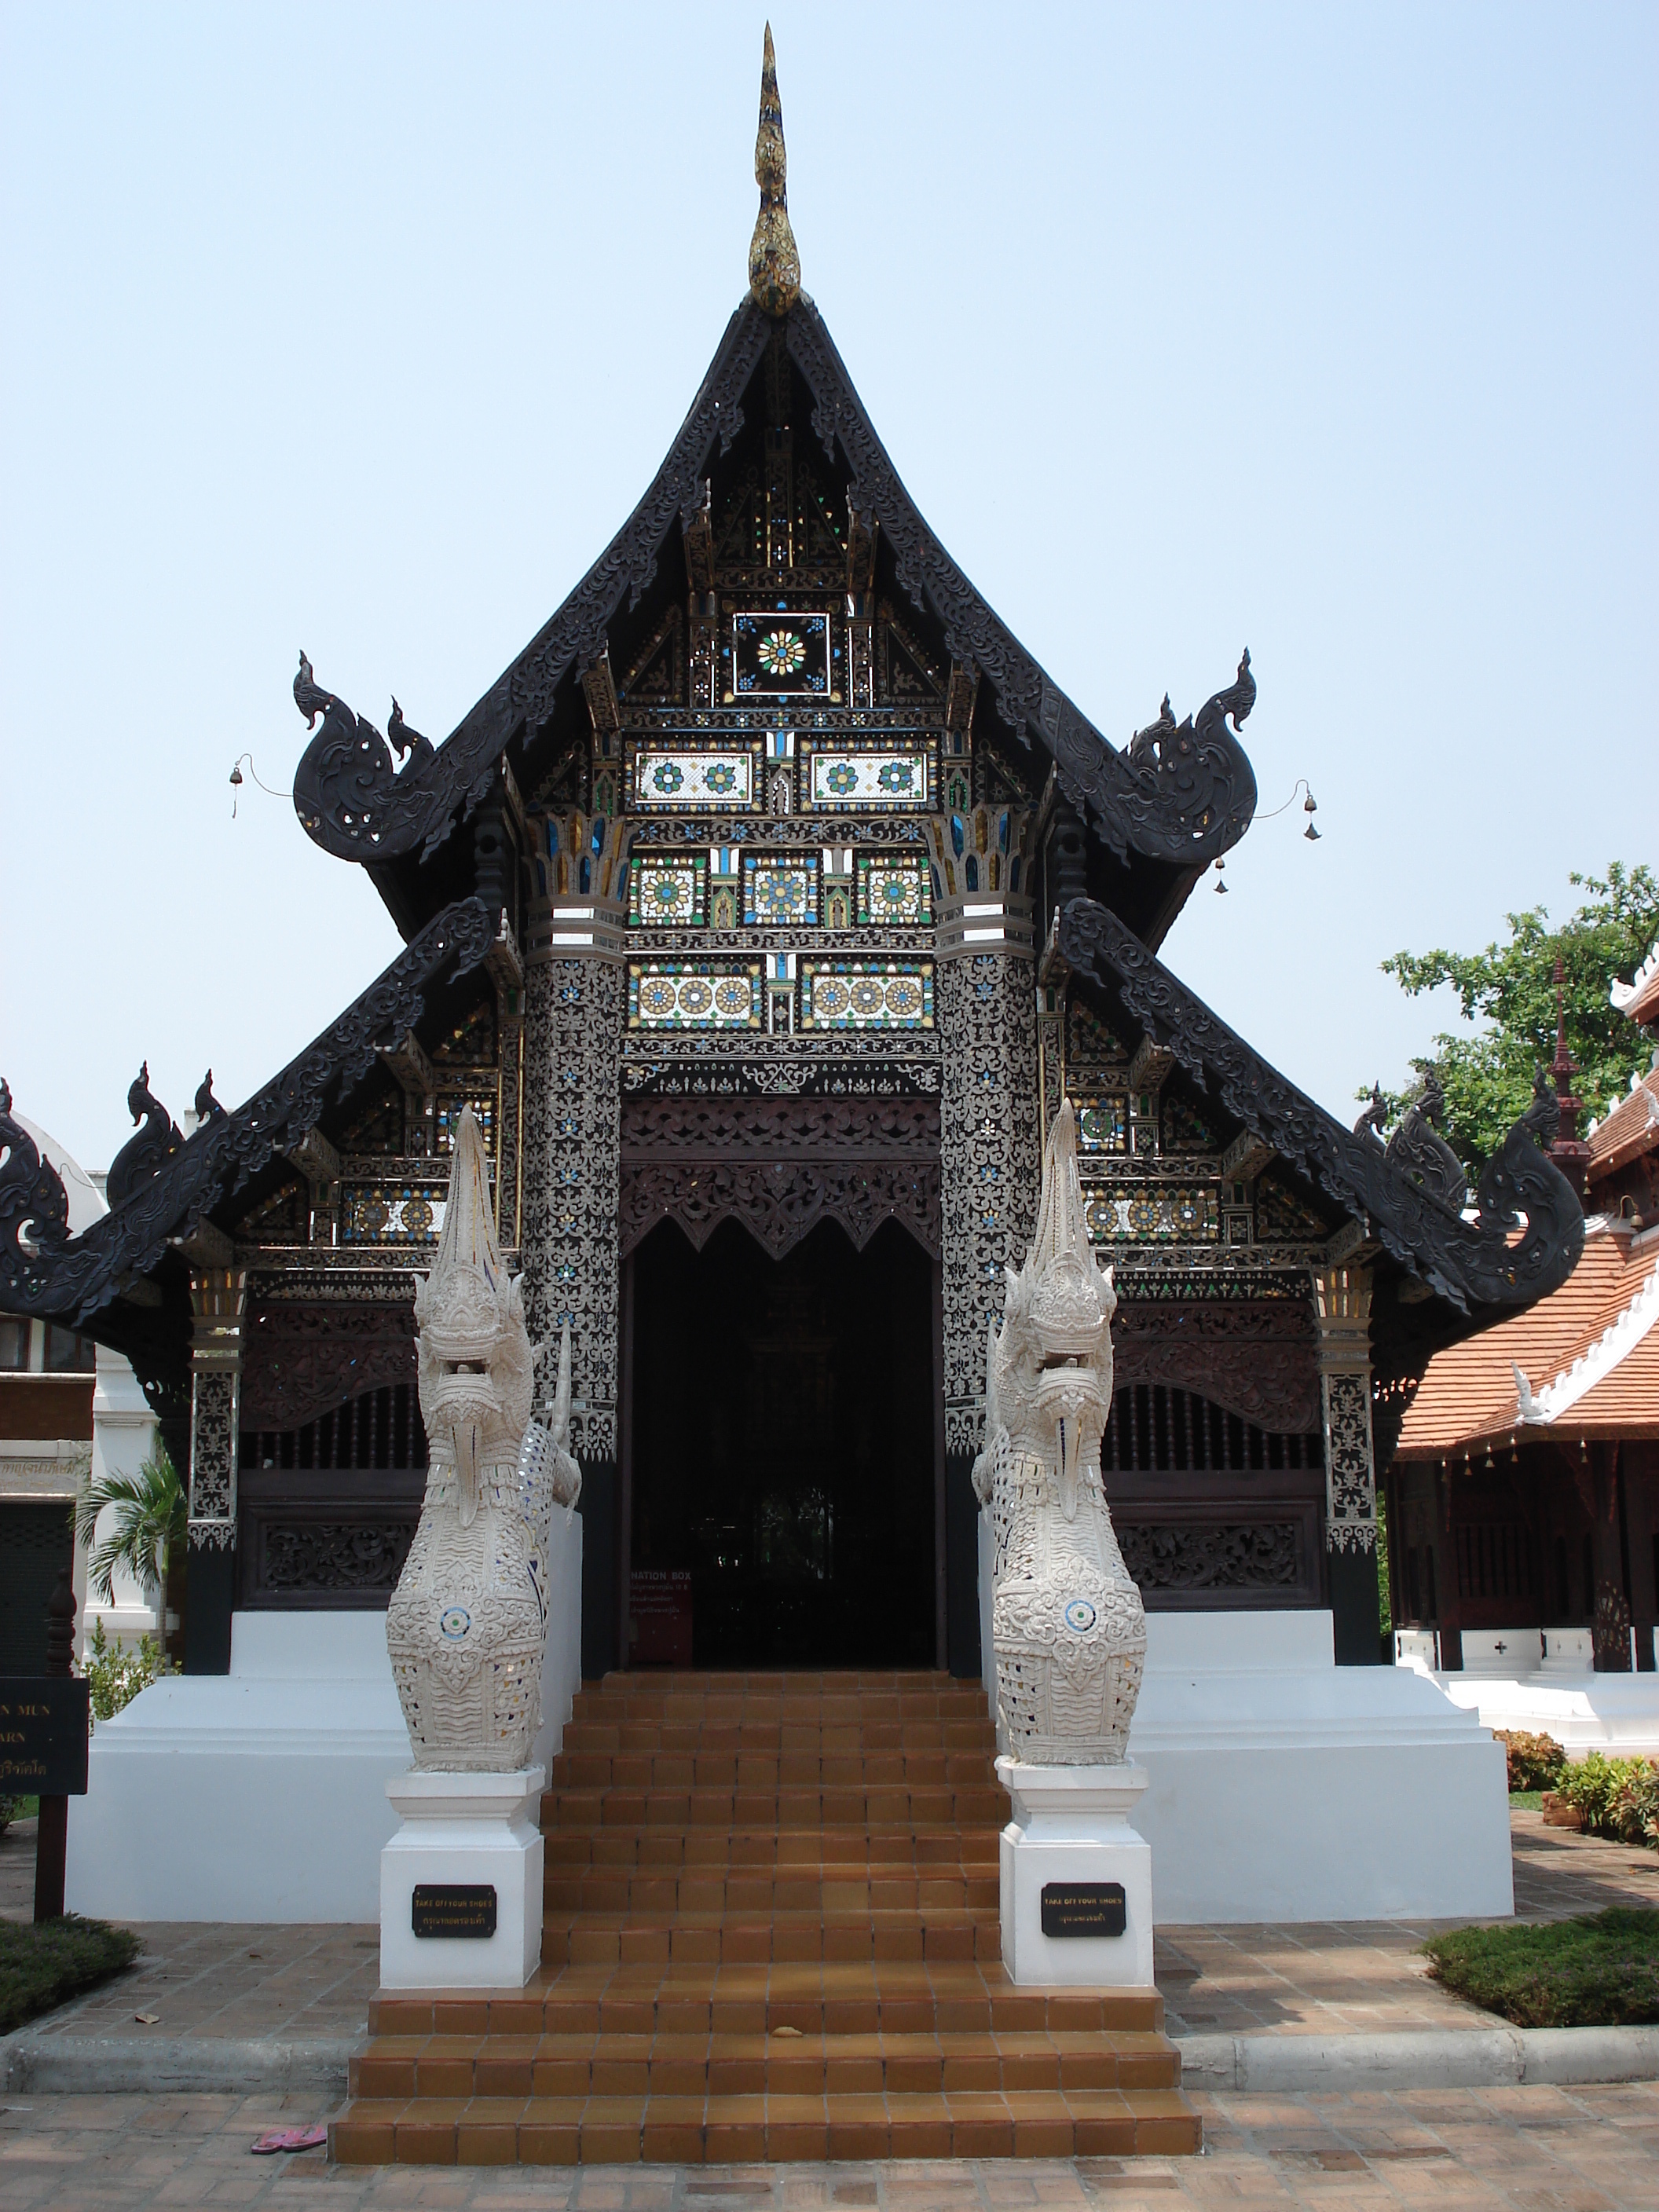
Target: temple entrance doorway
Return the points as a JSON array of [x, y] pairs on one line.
[[782, 1486]]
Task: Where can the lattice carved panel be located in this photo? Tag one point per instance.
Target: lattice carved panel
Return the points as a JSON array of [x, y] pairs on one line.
[[303, 1361], [781, 1201], [990, 1162], [573, 1057], [1256, 1360], [905, 1126]]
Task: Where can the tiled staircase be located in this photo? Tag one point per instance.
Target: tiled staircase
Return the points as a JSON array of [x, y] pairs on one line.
[[770, 1932]]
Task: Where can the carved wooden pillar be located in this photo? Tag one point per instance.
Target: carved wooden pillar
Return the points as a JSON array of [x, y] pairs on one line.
[[574, 1009], [990, 1160], [1342, 1309], [218, 1300]]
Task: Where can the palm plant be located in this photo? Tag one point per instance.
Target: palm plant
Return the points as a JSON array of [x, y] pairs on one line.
[[151, 1521]]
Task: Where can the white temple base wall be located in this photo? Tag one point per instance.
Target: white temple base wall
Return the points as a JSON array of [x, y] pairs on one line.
[[1283, 1787], [1071, 1832], [260, 1795], [1616, 1715], [472, 1831]]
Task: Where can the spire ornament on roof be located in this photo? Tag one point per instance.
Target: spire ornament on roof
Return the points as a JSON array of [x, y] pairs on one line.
[[774, 257]]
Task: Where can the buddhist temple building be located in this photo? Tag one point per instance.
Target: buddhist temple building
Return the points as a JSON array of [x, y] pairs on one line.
[[765, 910]]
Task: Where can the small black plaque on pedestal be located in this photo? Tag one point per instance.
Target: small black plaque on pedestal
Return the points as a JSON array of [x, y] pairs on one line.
[[1083, 1908], [455, 1908]]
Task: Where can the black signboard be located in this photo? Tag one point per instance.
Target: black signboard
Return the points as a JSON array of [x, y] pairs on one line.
[[453, 1908], [43, 1736], [1083, 1908]]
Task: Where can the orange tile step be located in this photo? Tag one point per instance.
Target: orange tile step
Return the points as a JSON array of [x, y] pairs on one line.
[[818, 1885], [807, 1808], [406, 2066], [691, 2130], [783, 1938], [901, 1997], [935, 1769], [755, 1850]]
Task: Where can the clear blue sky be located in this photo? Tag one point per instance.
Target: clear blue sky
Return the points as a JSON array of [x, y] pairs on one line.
[[1330, 330]]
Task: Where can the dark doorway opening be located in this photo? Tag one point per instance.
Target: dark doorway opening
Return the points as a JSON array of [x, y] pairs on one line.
[[783, 1447]]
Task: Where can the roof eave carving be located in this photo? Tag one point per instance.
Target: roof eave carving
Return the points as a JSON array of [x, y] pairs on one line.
[[1472, 1265], [49, 1273], [1184, 795]]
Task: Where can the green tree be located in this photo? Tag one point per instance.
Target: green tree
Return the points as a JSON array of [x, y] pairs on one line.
[[151, 1521], [1507, 995]]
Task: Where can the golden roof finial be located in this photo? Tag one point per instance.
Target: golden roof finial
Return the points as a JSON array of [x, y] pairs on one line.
[[774, 259]]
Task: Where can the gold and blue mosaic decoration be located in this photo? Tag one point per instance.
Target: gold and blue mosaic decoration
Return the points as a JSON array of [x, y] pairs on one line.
[[866, 994], [891, 779], [779, 890], [695, 779], [893, 887], [669, 891], [1148, 1214], [1103, 1126], [693, 994], [779, 655]]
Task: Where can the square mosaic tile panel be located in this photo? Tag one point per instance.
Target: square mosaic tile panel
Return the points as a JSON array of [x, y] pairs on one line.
[[893, 887], [896, 779], [866, 994], [779, 889], [669, 891], [690, 780], [779, 656]]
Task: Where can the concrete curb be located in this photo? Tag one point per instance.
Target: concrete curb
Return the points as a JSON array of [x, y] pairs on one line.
[[69, 2065], [1420, 2058]]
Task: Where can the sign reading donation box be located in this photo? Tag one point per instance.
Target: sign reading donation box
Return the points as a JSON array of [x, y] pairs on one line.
[[43, 1736], [660, 1617], [1083, 1908], [453, 1908]]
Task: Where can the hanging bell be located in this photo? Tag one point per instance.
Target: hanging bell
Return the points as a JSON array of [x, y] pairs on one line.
[[1220, 886], [236, 776]]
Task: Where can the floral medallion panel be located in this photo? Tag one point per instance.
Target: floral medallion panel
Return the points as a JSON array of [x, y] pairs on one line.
[[866, 994], [694, 995], [1148, 1213], [896, 778], [669, 891], [393, 1210], [685, 778], [1102, 1125], [781, 656], [779, 888], [893, 887]]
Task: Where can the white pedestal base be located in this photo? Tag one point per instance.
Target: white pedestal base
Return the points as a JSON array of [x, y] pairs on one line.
[[464, 1828], [1071, 1825]]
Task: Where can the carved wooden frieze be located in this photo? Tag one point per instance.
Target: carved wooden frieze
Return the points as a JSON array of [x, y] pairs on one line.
[[781, 1201], [303, 1361], [719, 1126], [1254, 1358]]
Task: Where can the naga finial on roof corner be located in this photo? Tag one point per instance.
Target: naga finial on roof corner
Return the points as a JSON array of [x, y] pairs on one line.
[[774, 257]]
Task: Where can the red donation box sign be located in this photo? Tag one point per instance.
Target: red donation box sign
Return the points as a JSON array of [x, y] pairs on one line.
[[660, 1617]]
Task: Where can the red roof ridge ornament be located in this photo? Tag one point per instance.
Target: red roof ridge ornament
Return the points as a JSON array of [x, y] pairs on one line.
[[774, 257]]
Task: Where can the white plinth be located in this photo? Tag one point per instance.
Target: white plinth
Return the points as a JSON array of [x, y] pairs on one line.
[[464, 1828], [1072, 1823]]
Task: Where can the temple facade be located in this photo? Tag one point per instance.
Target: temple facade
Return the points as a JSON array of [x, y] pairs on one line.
[[764, 912]]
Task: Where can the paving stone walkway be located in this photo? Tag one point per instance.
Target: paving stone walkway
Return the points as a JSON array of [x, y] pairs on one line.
[[1520, 2150], [293, 1984]]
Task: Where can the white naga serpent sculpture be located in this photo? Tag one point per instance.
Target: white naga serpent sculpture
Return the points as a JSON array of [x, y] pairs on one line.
[[1067, 1624], [467, 1625]]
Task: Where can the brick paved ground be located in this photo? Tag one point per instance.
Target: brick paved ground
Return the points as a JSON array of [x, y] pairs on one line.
[[1586, 2150], [292, 1982]]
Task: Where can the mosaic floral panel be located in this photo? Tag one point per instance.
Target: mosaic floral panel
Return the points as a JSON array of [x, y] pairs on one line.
[[894, 780], [683, 995], [1281, 1215], [1151, 1216], [392, 1212], [1185, 1129], [1101, 1126], [893, 887], [780, 656], [691, 782], [669, 891], [866, 994], [778, 890]]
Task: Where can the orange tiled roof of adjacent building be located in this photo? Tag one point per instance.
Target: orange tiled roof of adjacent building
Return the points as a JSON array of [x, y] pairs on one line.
[[1632, 1127], [1603, 1322]]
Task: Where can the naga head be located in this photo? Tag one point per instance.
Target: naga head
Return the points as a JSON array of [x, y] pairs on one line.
[[1051, 1366], [475, 1360]]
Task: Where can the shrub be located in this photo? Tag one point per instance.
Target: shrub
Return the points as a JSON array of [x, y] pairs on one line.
[[116, 1672], [1617, 1797], [11, 1809], [43, 1963], [1535, 1761], [1599, 1972]]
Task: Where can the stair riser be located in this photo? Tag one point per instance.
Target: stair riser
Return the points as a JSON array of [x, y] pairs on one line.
[[752, 1896], [780, 1809], [817, 2075], [714, 1852], [761, 1946], [732, 1770]]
